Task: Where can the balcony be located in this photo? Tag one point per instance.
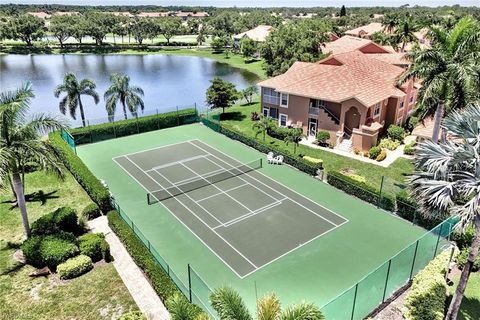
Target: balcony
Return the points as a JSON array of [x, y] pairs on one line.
[[313, 111], [271, 99]]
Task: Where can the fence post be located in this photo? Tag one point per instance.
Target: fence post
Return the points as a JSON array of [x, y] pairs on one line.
[[414, 258], [354, 300], [438, 240], [189, 283], [386, 279], [178, 118], [380, 194], [148, 241]]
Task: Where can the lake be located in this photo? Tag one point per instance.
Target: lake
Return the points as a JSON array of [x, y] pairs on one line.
[[167, 80]]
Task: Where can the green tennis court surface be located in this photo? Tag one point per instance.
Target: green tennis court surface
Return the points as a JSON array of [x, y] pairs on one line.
[[325, 257], [221, 200]]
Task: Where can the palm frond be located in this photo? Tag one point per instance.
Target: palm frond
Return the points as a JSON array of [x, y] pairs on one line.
[[302, 311], [229, 305], [268, 308]]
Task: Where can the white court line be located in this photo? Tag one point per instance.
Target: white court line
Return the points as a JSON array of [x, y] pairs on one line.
[[154, 148], [179, 220], [170, 164], [294, 201], [216, 187], [184, 181], [249, 215], [216, 194]]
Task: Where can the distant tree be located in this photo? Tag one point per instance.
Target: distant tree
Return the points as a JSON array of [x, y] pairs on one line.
[[390, 22], [262, 126], [79, 27], [343, 11], [220, 43], [26, 28], [223, 23], [122, 91], [405, 33], [221, 94], [98, 25], [294, 135], [193, 26], [201, 37], [383, 39], [170, 26], [144, 28], [74, 90], [249, 92], [62, 27], [5, 30], [248, 47], [22, 141]]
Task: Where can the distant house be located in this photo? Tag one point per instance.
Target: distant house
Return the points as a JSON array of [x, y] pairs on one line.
[[374, 50], [41, 15], [352, 95], [66, 13], [365, 31], [122, 14], [257, 34], [194, 15], [152, 14]]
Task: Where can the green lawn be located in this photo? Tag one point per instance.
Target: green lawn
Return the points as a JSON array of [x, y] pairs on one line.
[[240, 121], [470, 308], [99, 294]]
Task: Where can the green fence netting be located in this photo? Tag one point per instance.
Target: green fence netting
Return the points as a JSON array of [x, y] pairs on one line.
[[68, 138], [360, 300]]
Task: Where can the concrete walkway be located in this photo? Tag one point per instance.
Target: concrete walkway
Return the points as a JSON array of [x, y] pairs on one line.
[[137, 284]]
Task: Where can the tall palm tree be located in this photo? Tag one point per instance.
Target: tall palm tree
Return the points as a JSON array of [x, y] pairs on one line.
[[229, 305], [21, 140], [390, 22], [122, 91], [447, 180], [449, 71], [405, 33], [74, 90], [262, 126]]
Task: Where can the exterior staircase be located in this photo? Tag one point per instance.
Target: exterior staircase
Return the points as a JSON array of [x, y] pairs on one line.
[[330, 116], [346, 145]]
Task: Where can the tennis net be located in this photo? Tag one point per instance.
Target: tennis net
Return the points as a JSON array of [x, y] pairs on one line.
[[202, 181]]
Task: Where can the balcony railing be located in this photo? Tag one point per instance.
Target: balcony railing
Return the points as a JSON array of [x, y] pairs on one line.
[[271, 100], [313, 111]]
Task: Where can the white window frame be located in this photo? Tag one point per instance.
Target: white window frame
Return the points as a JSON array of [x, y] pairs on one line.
[[281, 100], [379, 107], [280, 119], [267, 111], [269, 95]]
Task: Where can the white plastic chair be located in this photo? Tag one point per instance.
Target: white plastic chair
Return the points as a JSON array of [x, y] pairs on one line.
[[270, 158], [278, 159]]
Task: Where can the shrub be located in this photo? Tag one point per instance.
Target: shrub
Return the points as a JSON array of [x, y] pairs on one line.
[[464, 239], [94, 246], [426, 299], [396, 132], [62, 219], [462, 260], [55, 249], [313, 160], [360, 189], [389, 144], [374, 152], [31, 250], [410, 148], [322, 137], [74, 267], [277, 132], [382, 155], [82, 174], [411, 123], [91, 211], [132, 315]]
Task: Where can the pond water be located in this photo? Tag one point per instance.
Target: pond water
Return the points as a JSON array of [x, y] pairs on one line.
[[167, 80]]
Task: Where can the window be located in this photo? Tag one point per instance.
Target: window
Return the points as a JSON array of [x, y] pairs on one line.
[[270, 96], [412, 97], [401, 105], [265, 112], [284, 100], [377, 110], [282, 121], [274, 113], [321, 104]]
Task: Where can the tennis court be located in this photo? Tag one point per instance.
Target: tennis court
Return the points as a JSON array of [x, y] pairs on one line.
[[245, 218]]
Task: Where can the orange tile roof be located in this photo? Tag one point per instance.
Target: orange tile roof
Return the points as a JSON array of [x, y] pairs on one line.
[[367, 30], [152, 14], [357, 77], [259, 33]]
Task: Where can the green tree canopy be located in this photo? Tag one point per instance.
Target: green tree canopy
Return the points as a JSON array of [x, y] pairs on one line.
[[248, 47], [26, 28], [221, 94], [62, 27]]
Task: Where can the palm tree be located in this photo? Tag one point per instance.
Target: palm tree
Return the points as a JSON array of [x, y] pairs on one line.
[[22, 141], [294, 136], [449, 71], [262, 126], [128, 95], [390, 22], [229, 305], [405, 33], [447, 180], [74, 91]]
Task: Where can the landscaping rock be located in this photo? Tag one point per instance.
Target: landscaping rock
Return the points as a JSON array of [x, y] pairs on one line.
[[40, 272], [19, 256]]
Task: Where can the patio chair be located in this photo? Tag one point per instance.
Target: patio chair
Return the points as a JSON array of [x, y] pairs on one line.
[[270, 157], [278, 159]]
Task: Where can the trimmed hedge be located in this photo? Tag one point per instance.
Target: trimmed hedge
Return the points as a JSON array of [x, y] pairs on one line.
[[426, 299], [49, 250], [288, 157], [374, 152], [161, 282], [463, 257], [75, 267], [82, 174], [91, 211], [94, 246], [132, 126], [361, 190], [62, 219]]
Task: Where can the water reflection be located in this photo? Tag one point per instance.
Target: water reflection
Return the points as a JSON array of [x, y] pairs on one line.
[[167, 80]]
